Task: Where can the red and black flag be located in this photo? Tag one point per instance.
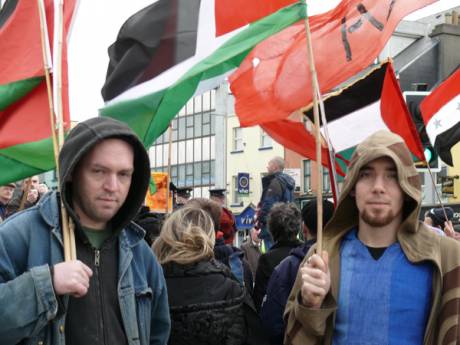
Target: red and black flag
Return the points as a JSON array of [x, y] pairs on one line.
[[275, 79]]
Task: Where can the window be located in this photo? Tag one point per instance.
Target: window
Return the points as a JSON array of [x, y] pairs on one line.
[[265, 140], [206, 103], [174, 129], [206, 173], [189, 175], [236, 198], [326, 180], [237, 139], [206, 124], [189, 126], [213, 172], [198, 102], [182, 129], [197, 125], [197, 174], [307, 176]]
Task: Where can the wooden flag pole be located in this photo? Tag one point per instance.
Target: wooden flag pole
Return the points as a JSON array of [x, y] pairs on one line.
[[67, 223], [56, 142], [169, 166], [331, 151], [47, 67], [319, 170], [27, 183]]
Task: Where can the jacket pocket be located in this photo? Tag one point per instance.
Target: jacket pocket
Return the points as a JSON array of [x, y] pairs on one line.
[[144, 299]]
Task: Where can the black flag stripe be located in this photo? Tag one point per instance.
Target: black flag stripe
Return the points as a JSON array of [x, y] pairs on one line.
[[150, 42]]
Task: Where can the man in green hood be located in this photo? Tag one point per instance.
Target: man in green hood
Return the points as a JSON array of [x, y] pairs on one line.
[[384, 277]]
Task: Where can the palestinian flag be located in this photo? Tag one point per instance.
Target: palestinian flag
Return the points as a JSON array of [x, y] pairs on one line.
[[275, 80], [169, 52], [372, 103], [441, 114], [25, 144]]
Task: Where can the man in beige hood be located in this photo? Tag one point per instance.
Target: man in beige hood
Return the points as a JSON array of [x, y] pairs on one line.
[[383, 277]]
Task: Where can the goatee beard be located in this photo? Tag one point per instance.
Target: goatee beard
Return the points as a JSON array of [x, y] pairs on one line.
[[377, 221]]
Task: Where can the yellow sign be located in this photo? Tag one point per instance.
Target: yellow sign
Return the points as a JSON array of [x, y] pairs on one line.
[[156, 202]]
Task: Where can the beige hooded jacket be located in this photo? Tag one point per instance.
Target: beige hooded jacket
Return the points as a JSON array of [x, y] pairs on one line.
[[315, 326]]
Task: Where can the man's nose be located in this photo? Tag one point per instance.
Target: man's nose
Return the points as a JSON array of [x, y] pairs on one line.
[[379, 184], [111, 182]]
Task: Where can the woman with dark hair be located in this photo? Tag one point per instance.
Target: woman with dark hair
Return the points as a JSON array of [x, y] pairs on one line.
[[207, 303], [284, 224]]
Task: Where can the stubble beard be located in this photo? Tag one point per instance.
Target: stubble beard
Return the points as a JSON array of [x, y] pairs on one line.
[[94, 212]]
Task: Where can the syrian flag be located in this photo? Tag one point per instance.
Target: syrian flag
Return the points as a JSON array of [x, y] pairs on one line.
[[441, 114], [372, 103], [25, 144], [170, 51]]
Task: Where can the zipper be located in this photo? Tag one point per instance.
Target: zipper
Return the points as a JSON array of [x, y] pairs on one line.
[[97, 257], [97, 276]]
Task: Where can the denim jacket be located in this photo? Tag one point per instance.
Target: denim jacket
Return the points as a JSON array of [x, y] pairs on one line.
[[31, 242]]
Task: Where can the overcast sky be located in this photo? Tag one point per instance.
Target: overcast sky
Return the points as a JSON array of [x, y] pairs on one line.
[[96, 26]]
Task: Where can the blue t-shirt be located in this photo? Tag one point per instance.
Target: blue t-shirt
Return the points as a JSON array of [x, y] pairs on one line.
[[381, 302]]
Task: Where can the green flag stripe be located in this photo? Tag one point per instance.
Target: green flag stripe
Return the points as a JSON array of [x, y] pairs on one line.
[[15, 171], [25, 160], [152, 186], [11, 93], [150, 115]]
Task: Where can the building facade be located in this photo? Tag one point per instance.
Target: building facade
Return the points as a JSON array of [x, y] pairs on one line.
[[188, 148]]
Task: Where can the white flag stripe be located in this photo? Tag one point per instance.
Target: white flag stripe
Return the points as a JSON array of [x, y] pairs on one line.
[[352, 129], [447, 117]]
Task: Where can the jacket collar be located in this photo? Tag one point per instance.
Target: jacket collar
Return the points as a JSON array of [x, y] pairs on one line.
[[49, 209], [131, 235], [268, 178]]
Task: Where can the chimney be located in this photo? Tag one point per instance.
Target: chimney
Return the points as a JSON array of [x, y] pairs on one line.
[[454, 17], [449, 41]]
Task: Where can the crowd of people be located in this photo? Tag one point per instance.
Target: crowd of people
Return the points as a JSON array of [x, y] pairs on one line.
[[383, 276]]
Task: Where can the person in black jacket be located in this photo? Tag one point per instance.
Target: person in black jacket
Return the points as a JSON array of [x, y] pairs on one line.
[[208, 305], [229, 255], [284, 224], [276, 187], [283, 277], [151, 222]]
